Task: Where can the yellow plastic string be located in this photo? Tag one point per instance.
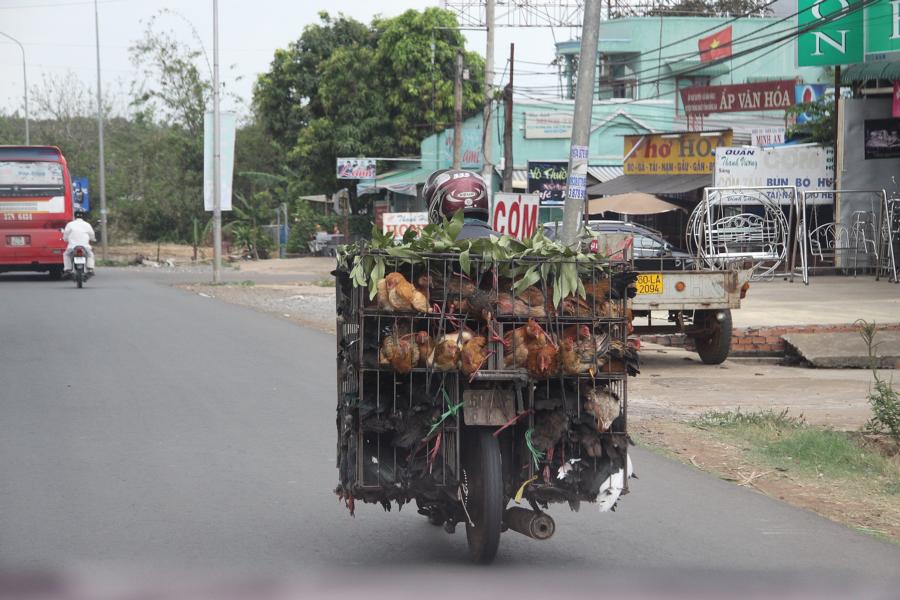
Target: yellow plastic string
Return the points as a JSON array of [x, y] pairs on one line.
[[518, 497]]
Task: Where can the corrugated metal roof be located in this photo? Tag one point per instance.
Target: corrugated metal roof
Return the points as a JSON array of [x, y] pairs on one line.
[[605, 173], [879, 69], [651, 184]]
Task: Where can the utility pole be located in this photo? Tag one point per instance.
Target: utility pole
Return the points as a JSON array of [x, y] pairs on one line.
[[457, 112], [101, 175], [576, 194], [508, 125], [488, 142], [24, 82], [217, 167]]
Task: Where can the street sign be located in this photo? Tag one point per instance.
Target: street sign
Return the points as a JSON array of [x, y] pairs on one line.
[[80, 194], [838, 41]]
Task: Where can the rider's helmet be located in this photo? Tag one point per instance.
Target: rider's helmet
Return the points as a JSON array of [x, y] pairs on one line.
[[450, 190], [80, 212]]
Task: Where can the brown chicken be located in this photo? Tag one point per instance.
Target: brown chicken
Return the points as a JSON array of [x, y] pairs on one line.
[[447, 351], [580, 350], [573, 306], [507, 305], [541, 361], [396, 294], [518, 341], [532, 296], [425, 345], [400, 352], [473, 355]]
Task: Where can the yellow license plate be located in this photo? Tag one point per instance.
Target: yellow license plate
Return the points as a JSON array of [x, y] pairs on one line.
[[650, 283]]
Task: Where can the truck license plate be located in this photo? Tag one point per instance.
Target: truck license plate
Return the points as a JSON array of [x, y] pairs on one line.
[[650, 283], [17, 240], [488, 407]]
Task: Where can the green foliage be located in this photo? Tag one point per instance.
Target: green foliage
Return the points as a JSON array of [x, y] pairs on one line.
[[883, 398], [819, 128], [787, 443], [527, 261], [249, 215], [345, 89]]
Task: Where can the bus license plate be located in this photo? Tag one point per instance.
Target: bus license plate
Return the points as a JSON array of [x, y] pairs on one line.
[[17, 240], [650, 283], [80, 260]]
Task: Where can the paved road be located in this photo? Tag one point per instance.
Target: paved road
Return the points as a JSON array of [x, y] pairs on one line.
[[189, 434]]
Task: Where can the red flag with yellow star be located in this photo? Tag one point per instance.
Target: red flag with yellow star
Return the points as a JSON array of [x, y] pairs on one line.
[[716, 46]]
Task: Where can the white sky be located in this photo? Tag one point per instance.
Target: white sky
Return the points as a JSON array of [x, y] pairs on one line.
[[58, 36]]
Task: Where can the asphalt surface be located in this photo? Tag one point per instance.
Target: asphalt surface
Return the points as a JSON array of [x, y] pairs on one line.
[[145, 427]]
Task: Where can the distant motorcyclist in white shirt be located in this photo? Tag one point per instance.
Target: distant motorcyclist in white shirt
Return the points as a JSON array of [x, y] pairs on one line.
[[78, 233]]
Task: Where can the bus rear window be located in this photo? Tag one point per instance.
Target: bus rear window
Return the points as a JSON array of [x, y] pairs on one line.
[[31, 178]]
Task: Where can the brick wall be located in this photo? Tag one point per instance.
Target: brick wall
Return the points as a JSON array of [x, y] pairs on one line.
[[759, 341]]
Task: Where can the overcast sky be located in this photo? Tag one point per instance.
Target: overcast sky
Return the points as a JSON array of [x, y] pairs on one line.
[[58, 36]]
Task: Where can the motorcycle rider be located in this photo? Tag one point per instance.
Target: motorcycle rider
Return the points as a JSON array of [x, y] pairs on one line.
[[447, 191], [78, 232]]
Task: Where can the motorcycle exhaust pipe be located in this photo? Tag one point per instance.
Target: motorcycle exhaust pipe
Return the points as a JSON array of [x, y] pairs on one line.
[[538, 526]]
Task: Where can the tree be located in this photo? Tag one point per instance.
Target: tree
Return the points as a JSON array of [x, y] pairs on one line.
[[344, 89], [250, 214], [816, 121]]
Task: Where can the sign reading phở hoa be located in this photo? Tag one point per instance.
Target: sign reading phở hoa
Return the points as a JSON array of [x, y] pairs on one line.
[[688, 153]]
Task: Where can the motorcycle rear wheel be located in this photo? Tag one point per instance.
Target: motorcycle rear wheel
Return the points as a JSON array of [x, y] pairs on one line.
[[79, 278], [485, 500]]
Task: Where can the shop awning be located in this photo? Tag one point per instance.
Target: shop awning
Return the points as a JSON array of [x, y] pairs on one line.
[[651, 184], [631, 203], [869, 71], [605, 173], [399, 182]]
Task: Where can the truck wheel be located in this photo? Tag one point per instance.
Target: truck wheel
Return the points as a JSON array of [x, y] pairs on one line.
[[483, 481], [714, 348]]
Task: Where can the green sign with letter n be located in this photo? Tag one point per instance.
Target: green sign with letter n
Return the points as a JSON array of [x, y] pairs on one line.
[[838, 41], [883, 27]]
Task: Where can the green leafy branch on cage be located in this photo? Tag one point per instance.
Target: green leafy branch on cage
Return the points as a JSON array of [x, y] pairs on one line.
[[525, 261]]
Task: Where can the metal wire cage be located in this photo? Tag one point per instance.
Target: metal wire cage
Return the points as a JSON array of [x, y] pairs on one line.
[[400, 426]]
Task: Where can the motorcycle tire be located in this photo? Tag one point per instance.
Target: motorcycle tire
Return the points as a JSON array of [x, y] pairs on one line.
[[485, 499], [79, 278]]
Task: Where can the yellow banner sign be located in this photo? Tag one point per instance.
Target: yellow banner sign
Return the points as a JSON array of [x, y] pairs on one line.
[[674, 153]]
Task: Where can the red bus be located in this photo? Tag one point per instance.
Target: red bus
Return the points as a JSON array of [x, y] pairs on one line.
[[35, 205]]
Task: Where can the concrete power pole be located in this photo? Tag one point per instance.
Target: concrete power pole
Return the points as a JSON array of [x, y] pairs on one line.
[[217, 167], [104, 235], [457, 112], [24, 84], [576, 195], [488, 170], [508, 124]]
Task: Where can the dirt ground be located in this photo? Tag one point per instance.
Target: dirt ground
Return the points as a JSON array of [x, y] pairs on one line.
[[871, 513]]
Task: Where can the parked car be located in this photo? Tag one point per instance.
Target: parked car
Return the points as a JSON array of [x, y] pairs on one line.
[[651, 250]]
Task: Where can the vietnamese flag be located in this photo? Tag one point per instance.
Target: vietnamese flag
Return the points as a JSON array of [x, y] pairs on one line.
[[718, 45]]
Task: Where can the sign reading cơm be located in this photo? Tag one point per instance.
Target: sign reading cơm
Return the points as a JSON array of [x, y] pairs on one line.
[[516, 215], [687, 153]]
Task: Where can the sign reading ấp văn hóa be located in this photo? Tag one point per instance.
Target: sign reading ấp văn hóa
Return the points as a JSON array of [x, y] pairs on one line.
[[765, 95]]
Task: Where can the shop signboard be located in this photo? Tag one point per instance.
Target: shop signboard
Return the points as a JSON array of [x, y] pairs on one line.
[[766, 136], [470, 152], [356, 168], [882, 138], [547, 179], [839, 38], [548, 125], [516, 215], [766, 95], [686, 153], [806, 168], [398, 224]]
